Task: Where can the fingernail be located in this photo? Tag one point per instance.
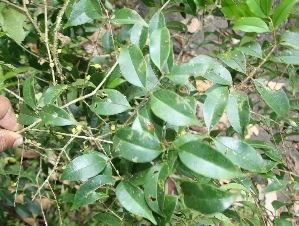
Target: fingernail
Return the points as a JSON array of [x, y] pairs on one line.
[[18, 142]]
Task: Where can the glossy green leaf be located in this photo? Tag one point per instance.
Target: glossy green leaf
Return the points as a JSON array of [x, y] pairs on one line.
[[232, 9], [241, 154], [172, 108], [29, 92], [93, 9], [214, 106], [136, 146], [157, 22], [107, 42], [190, 7], [177, 26], [27, 116], [251, 24], [84, 167], [276, 185], [266, 6], [282, 11], [268, 149], [238, 111], [290, 39], [152, 81], [108, 219], [127, 16], [132, 65], [56, 116], [169, 208], [256, 7], [12, 23], [277, 100], [154, 187], [206, 198], [282, 222], [169, 63], [211, 69], [149, 3], [160, 46], [287, 57], [185, 139], [86, 193], [205, 160], [234, 59], [132, 199], [138, 35], [78, 15], [109, 102], [53, 92], [252, 49]]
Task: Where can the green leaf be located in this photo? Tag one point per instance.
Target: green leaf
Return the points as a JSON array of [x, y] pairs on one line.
[[53, 92], [277, 100], [172, 108], [127, 16], [276, 185], [185, 139], [132, 199], [190, 7], [29, 92], [287, 57], [86, 193], [241, 154], [266, 6], [282, 222], [133, 65], [252, 49], [154, 187], [251, 24], [27, 116], [214, 106], [205, 160], [206, 198], [84, 167], [267, 149], [234, 59], [108, 219], [232, 9], [157, 22], [138, 35], [290, 39], [169, 208], [93, 9], [149, 3], [282, 11], [214, 72], [238, 111], [152, 82], [109, 102], [256, 7], [107, 42], [136, 146], [56, 116], [177, 26], [78, 15], [12, 23], [160, 46]]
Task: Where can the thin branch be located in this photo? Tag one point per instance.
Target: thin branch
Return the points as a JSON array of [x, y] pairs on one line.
[[94, 91]]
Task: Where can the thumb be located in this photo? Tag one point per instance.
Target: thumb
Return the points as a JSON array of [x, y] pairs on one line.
[[9, 139], [8, 119]]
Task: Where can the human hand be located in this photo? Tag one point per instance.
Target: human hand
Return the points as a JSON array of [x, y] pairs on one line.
[[8, 124]]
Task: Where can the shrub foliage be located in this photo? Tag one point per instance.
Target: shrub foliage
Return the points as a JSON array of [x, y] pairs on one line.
[[120, 128]]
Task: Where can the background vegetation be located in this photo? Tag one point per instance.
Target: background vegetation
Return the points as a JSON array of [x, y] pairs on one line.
[[121, 119]]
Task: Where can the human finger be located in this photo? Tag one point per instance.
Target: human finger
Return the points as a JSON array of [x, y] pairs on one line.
[[8, 119], [9, 139]]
